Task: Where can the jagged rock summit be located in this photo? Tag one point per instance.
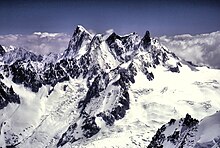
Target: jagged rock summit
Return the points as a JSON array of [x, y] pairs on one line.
[[103, 91]]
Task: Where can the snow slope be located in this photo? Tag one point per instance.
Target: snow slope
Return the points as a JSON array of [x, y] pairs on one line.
[[106, 91]]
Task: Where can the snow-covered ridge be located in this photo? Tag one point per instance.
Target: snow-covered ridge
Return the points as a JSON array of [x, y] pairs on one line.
[[189, 132], [102, 88]]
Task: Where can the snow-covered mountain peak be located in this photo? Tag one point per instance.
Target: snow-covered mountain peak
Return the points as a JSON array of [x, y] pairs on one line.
[[104, 91], [80, 28], [11, 54], [80, 39]]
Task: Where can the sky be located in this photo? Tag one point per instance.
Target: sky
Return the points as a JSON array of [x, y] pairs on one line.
[[160, 17]]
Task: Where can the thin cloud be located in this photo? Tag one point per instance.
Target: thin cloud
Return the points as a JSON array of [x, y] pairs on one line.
[[42, 43], [201, 49]]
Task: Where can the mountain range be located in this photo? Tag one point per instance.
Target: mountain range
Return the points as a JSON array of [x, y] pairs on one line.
[[107, 90]]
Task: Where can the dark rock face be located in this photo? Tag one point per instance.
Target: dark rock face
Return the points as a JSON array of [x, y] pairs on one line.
[[2, 51], [93, 91], [189, 121], [191, 63], [1, 76], [172, 121], [144, 69], [89, 127], [68, 136], [114, 46], [119, 111], [174, 69], [111, 39], [51, 74], [7, 95], [26, 76], [146, 39], [158, 138], [107, 117], [174, 137], [115, 41]]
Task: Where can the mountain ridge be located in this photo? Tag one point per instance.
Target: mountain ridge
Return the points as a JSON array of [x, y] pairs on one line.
[[97, 87]]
